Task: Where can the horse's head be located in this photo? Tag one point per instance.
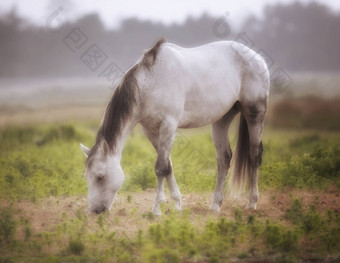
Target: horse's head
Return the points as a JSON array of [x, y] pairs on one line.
[[104, 176]]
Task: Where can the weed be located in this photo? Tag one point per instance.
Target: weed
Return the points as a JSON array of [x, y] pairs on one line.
[[7, 225], [312, 222], [142, 177], [243, 255], [100, 221], [280, 238], [238, 215], [314, 170], [150, 216], [295, 213], [27, 229], [76, 247], [309, 220]]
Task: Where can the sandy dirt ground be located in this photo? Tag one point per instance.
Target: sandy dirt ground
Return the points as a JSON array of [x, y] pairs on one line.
[[131, 212]]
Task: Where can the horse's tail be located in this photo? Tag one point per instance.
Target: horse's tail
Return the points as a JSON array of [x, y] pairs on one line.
[[241, 161]]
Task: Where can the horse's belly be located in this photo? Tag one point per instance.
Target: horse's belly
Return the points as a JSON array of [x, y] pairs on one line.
[[203, 107], [211, 89]]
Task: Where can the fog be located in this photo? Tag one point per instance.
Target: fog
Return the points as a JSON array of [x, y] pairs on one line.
[[53, 53]]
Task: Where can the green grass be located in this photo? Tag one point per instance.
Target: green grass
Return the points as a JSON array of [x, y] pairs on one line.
[[38, 162], [41, 161], [306, 161]]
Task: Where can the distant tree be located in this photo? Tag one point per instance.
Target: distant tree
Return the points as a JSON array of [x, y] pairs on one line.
[[10, 38], [304, 37], [298, 37]]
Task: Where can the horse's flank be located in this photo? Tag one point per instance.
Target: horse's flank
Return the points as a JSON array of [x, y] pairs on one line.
[[120, 107]]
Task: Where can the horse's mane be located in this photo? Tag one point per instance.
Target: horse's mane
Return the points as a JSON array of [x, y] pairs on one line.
[[120, 107]]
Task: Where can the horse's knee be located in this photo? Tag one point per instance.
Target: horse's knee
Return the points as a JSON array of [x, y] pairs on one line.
[[224, 159], [255, 111], [227, 157], [256, 155], [163, 167]]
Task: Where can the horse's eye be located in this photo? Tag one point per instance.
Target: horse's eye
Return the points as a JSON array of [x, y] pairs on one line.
[[100, 178]]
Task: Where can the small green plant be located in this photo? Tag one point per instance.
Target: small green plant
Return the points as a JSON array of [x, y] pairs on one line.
[[280, 238], [142, 177], [295, 213], [251, 219], [243, 255], [101, 221], [76, 247], [238, 215], [124, 258], [312, 221], [150, 216], [7, 225], [81, 215], [27, 229]]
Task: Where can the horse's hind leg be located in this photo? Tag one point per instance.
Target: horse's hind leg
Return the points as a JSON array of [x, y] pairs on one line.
[[219, 132], [254, 113]]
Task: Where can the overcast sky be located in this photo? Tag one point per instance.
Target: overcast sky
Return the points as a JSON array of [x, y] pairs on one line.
[[166, 11]]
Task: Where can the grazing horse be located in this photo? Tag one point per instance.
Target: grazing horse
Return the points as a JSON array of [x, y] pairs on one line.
[[172, 87]]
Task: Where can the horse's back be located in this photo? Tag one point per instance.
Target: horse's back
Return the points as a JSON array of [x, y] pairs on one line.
[[199, 85]]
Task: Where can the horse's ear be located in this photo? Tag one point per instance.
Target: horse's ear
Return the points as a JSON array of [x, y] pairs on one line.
[[85, 150]]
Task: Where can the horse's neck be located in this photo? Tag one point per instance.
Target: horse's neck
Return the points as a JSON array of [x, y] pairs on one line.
[[120, 142]]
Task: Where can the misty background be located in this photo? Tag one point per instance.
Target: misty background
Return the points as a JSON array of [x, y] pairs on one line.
[[297, 36], [66, 58]]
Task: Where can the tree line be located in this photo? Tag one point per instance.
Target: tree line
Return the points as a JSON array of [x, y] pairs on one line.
[[296, 36]]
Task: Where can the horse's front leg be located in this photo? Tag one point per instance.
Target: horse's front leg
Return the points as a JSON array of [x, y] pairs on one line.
[[174, 190], [160, 197], [153, 136], [163, 166]]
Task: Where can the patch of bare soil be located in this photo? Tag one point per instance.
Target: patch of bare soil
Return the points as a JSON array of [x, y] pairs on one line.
[[131, 212]]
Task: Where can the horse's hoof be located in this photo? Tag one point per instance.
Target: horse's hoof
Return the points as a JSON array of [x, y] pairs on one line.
[[157, 212], [215, 208], [251, 206], [178, 206]]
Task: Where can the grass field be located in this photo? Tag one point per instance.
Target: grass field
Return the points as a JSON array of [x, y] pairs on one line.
[[44, 217], [43, 206]]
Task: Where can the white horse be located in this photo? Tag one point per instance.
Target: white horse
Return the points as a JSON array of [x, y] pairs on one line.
[[172, 87]]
